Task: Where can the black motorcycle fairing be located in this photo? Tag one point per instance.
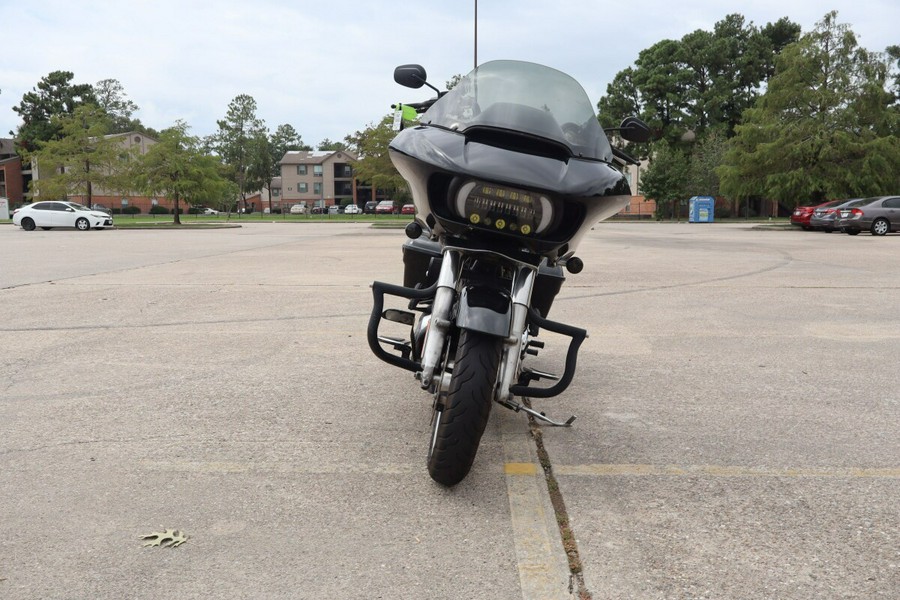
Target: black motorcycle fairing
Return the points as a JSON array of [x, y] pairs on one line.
[[430, 159], [452, 152]]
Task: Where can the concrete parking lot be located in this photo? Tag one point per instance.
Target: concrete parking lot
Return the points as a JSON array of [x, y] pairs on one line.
[[738, 431]]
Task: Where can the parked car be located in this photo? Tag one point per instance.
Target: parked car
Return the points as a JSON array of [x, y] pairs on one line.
[[823, 217], [352, 209], [319, 210], [879, 215], [334, 209], [57, 213], [385, 207], [803, 214], [100, 208], [408, 209], [210, 211], [298, 209], [369, 207]]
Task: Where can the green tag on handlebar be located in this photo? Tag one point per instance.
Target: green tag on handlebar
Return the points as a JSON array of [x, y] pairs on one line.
[[403, 113]]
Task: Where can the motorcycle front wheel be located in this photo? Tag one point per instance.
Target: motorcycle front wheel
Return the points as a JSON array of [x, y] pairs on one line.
[[458, 425]]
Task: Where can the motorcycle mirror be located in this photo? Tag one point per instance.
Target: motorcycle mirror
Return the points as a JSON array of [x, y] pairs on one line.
[[411, 76], [633, 129]]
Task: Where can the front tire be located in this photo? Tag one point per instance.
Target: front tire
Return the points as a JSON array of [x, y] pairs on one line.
[[28, 224], [459, 424], [82, 224], [851, 231]]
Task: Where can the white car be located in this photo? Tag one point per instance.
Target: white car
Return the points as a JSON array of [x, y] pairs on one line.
[[210, 211], [298, 209], [352, 209], [59, 213]]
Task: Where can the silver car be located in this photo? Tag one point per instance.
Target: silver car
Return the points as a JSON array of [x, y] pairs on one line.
[[59, 213], [879, 215], [824, 215]]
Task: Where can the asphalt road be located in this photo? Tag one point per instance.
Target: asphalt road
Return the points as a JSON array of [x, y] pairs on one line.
[[738, 431]]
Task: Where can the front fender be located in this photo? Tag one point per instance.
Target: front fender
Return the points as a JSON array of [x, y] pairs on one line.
[[484, 310]]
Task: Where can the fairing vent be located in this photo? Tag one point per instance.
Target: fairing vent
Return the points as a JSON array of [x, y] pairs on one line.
[[518, 142]]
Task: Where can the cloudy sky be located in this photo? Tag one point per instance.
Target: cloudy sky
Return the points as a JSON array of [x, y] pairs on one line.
[[326, 67]]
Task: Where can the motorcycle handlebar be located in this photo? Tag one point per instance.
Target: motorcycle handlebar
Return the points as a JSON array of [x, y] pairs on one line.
[[422, 106], [419, 107], [624, 156]]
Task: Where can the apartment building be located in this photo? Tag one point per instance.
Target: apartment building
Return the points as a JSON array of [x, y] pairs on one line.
[[318, 178], [13, 178]]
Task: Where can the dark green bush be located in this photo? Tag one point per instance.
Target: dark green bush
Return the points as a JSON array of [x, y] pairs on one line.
[[131, 210], [159, 210]]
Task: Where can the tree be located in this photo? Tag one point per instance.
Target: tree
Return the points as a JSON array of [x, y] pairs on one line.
[[453, 81], [893, 54], [238, 143], [111, 98], [286, 139], [54, 96], [824, 129], [667, 179], [178, 168], [703, 80], [329, 146], [267, 152], [83, 156], [374, 165], [706, 157]]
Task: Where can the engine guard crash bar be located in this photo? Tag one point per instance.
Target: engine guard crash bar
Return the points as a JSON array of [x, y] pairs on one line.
[[577, 335], [379, 289]]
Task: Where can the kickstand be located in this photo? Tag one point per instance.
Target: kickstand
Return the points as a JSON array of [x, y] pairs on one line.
[[513, 406]]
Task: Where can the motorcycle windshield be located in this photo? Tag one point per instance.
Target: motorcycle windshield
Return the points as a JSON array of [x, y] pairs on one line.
[[524, 97]]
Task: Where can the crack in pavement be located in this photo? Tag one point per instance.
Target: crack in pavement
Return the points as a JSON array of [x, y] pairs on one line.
[[577, 585]]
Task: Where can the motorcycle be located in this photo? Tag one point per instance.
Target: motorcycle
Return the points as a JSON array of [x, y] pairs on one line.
[[508, 172]]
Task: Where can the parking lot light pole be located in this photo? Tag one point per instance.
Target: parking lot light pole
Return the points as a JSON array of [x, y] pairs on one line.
[[476, 33]]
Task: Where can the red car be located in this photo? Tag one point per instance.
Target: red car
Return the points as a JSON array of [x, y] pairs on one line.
[[384, 207], [408, 209], [802, 214]]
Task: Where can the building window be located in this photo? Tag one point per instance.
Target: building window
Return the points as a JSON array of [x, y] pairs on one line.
[[301, 169], [343, 188], [317, 170], [317, 189], [276, 191], [302, 187]]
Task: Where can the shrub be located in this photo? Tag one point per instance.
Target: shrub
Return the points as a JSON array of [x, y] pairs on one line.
[[131, 210], [159, 210]]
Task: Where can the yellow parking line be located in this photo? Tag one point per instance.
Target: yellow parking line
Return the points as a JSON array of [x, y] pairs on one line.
[[520, 469], [609, 470], [540, 556]]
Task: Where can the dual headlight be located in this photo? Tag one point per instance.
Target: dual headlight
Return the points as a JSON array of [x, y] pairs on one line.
[[503, 209]]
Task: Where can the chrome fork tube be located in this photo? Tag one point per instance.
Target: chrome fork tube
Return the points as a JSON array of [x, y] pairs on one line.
[[523, 283], [439, 323]]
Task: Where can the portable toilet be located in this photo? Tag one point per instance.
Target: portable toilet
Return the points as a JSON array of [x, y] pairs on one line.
[[4, 208], [701, 209]]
